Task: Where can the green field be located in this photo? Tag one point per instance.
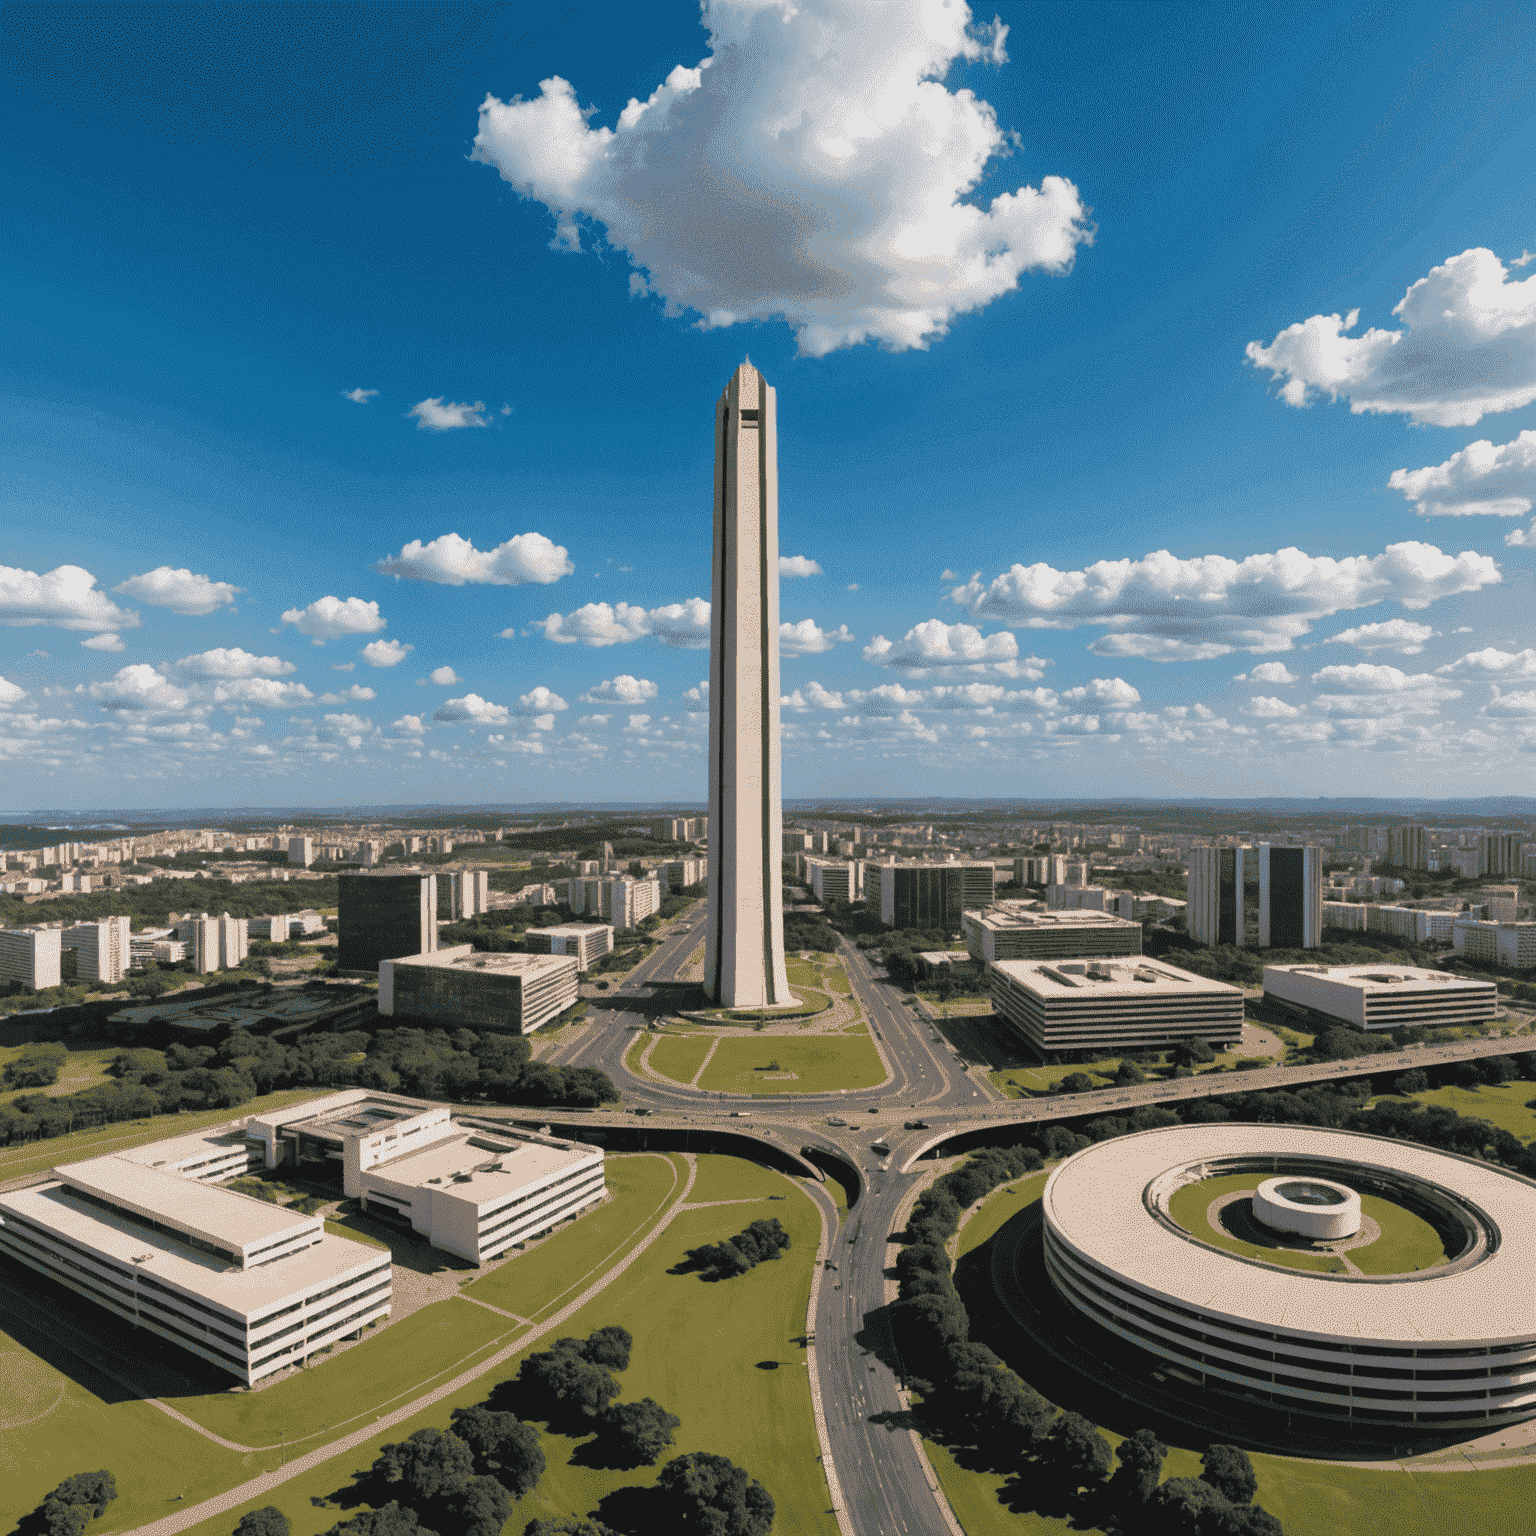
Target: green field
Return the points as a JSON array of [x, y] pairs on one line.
[[679, 1057], [1407, 1242], [40, 1156], [548, 1276], [1503, 1105], [1309, 1498], [699, 1350], [394, 1363], [1188, 1206], [83, 1068], [734, 1178], [821, 1063]]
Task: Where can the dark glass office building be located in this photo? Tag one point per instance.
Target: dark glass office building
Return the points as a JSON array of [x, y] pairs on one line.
[[384, 917], [1290, 897]]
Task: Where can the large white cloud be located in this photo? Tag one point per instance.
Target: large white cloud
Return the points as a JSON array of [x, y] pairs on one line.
[[267, 691], [813, 167], [472, 708], [453, 561], [1167, 609], [1401, 635], [1512, 704], [934, 645], [1468, 349], [623, 689], [683, 625], [329, 618], [233, 663], [808, 638], [1372, 689], [139, 689], [179, 590], [1493, 481], [66, 596], [540, 701], [1495, 663], [1267, 672], [798, 565], [11, 693], [385, 653]]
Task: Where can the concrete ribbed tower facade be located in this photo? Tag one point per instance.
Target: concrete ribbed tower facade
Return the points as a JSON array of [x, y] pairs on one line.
[[744, 948]]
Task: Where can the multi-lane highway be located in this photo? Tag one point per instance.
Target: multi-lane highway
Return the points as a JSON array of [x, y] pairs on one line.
[[885, 1481]]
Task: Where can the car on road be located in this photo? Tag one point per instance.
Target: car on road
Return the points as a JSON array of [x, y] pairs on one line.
[[915, 1125], [642, 1111], [833, 1120], [737, 1114]]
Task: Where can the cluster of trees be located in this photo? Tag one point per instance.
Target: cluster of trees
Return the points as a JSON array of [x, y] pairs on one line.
[[37, 1065], [454, 1064], [78, 1500], [151, 905], [699, 1492], [736, 1255], [808, 930]]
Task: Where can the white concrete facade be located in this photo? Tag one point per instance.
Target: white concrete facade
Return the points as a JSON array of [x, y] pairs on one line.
[[1381, 997], [31, 956], [586, 942], [1316, 1208], [1011, 930], [744, 943]]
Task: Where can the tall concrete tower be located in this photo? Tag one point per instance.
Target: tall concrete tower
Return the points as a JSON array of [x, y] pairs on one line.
[[744, 949]]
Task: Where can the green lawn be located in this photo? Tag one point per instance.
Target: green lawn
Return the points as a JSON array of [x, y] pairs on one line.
[[40, 1156], [1503, 1105], [1309, 1498], [698, 1351], [51, 1426], [1188, 1206], [679, 1057], [546, 1277], [82, 1068], [820, 1063], [1407, 1242], [395, 1362], [734, 1178]]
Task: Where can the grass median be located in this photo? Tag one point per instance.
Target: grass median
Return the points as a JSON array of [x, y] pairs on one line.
[[680, 1057], [787, 1064]]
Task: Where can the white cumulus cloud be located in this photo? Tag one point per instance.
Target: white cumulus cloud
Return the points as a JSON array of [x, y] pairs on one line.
[[1468, 349], [1401, 635], [356, 694], [1481, 479], [935, 645], [138, 689], [439, 415], [360, 396], [808, 638], [625, 689], [473, 708], [11, 693], [255, 690], [329, 618], [110, 641], [233, 663], [798, 565], [408, 726], [454, 561], [1267, 672], [1164, 608], [541, 701], [444, 677], [813, 166], [179, 590], [683, 625], [1264, 708], [385, 653], [1496, 663], [1511, 704], [66, 597]]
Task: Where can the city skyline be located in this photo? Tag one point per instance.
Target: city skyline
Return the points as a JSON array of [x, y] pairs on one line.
[[1121, 463]]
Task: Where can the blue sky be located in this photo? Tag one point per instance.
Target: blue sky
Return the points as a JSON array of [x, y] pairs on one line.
[[1048, 304]]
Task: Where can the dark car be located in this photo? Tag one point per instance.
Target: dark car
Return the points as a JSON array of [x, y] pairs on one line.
[[916, 1125]]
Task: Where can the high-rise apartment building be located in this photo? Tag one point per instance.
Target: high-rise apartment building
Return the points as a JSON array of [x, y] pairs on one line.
[[31, 956], [1290, 897], [382, 917], [1215, 893], [102, 948], [301, 850], [1500, 853], [1408, 847], [744, 937], [216, 943], [469, 893]]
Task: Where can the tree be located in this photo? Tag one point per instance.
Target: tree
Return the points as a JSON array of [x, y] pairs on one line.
[[1076, 1451], [609, 1347], [1186, 1506], [392, 1520], [1141, 1465], [567, 1528], [93, 1490], [1129, 1072], [563, 1375], [1191, 1053], [433, 1464], [1255, 1520], [1077, 1082], [270, 1521], [484, 1507], [1229, 1471], [643, 1429], [504, 1442], [711, 1494], [1415, 1081]]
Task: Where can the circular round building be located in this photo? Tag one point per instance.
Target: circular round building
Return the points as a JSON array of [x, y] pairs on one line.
[[1134, 1244]]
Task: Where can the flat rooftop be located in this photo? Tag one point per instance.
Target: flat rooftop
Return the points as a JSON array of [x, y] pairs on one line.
[[482, 1166], [360, 1117], [1369, 978], [221, 1216], [570, 930], [281, 1006], [1033, 918], [180, 1149], [491, 964], [1132, 977], [242, 1291]]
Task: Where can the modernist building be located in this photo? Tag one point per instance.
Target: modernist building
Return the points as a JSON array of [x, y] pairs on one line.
[[382, 917], [1010, 930], [1380, 997], [1500, 853], [586, 942], [624, 901], [926, 895], [469, 893], [508, 993], [1112, 1005], [1408, 847], [103, 949], [301, 850], [681, 873], [31, 956], [744, 936], [249, 1287], [1449, 1348], [1290, 897], [214, 943], [1511, 944], [836, 879], [1215, 893], [470, 1187]]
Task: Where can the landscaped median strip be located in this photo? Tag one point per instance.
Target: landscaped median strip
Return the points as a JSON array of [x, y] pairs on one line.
[[267, 1482]]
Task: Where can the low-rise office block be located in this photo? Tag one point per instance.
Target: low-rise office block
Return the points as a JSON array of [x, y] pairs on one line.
[[1380, 997], [1511, 944], [1110, 1005], [1011, 930], [510, 993], [586, 942]]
